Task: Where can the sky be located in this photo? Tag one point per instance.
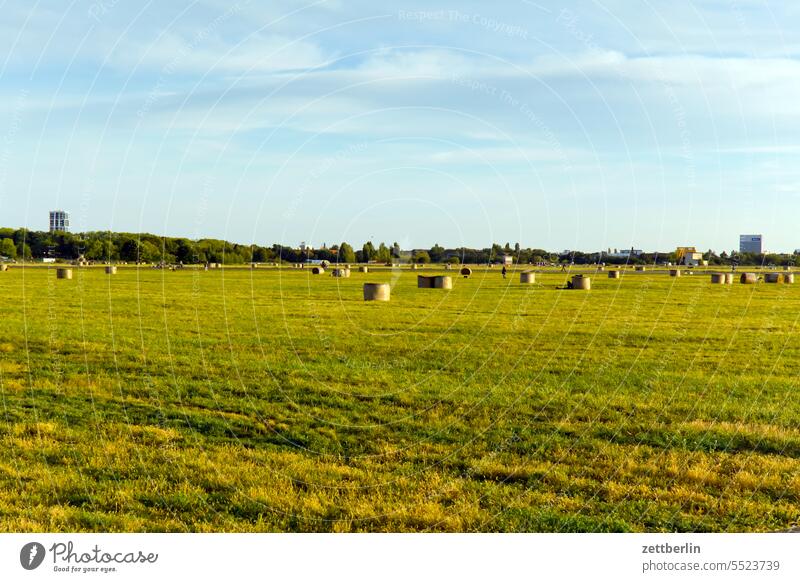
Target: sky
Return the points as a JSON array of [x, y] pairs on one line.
[[559, 125]]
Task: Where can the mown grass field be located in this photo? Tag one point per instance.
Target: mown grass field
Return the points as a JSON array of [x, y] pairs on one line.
[[279, 401]]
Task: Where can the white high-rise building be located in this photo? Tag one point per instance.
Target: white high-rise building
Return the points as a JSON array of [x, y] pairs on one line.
[[751, 243], [59, 221]]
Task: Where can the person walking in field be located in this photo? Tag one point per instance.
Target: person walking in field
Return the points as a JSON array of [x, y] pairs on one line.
[[504, 271]]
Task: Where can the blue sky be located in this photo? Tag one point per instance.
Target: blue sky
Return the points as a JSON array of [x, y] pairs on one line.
[[581, 125]]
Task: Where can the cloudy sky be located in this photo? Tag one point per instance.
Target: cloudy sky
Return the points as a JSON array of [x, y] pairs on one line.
[[581, 125]]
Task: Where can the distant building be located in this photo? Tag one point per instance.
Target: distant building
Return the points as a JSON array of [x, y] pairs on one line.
[[688, 256], [626, 253], [507, 260], [59, 221], [751, 243], [304, 247]]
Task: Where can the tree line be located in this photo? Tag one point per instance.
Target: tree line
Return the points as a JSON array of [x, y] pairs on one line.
[[23, 244]]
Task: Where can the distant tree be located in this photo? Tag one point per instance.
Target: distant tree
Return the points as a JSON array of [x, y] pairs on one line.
[[24, 251], [346, 253], [383, 255], [94, 251], [150, 253], [436, 253], [8, 248], [421, 257], [368, 252], [260, 254]]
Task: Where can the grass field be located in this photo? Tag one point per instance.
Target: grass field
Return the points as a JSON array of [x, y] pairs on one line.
[[274, 400]]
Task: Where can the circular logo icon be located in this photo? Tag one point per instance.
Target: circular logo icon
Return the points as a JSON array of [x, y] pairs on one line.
[[32, 555]]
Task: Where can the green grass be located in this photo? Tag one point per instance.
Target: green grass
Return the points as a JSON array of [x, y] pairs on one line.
[[279, 401]]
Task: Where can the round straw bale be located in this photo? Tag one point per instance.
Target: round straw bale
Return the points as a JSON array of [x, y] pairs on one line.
[[788, 278], [718, 278], [441, 282], [771, 277], [581, 282], [111, 270], [748, 279], [340, 273], [527, 277], [363, 269], [466, 271], [377, 292], [674, 272], [317, 271], [614, 274], [640, 267], [729, 278], [64, 273], [3, 268], [424, 282]]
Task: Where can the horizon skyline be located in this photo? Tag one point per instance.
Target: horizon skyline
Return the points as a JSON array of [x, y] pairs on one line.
[[581, 126], [357, 244]]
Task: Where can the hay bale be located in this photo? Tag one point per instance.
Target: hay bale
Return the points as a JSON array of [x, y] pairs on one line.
[[748, 279], [787, 268], [363, 269], [64, 273], [771, 277], [601, 268], [466, 272], [527, 277], [788, 278], [377, 292], [111, 270], [442, 282], [424, 282], [317, 271], [581, 282], [640, 267], [614, 274], [719, 278], [729, 278], [675, 273], [3, 268], [340, 272], [448, 266]]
